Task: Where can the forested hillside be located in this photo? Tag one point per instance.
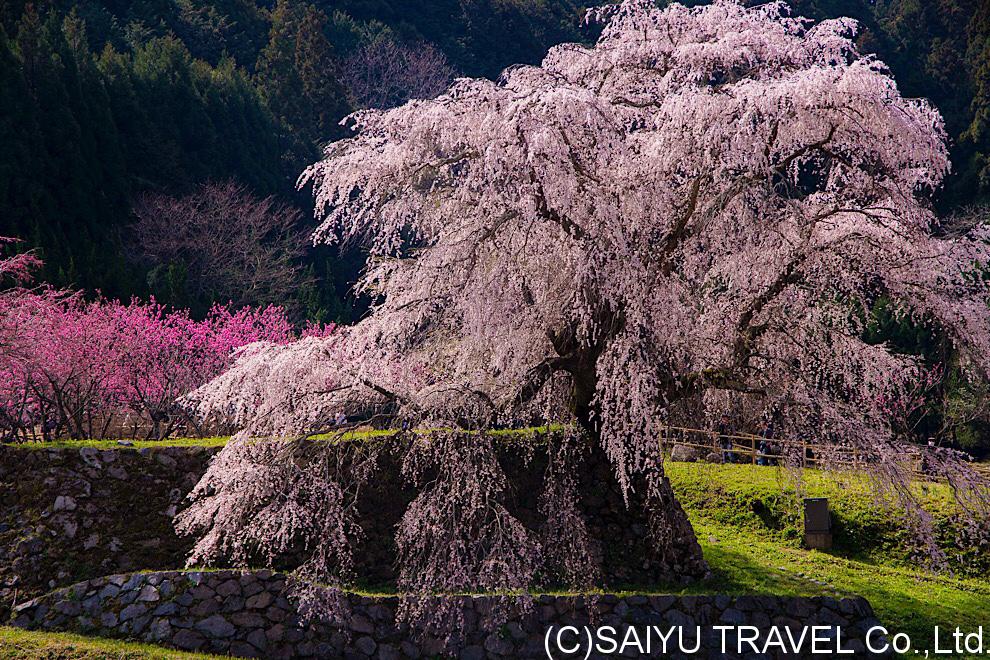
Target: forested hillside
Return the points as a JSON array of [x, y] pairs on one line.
[[102, 102]]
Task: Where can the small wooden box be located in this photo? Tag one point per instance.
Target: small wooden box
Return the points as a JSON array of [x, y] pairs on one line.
[[817, 524]]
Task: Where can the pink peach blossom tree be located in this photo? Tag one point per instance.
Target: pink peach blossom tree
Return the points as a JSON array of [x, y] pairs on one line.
[[87, 369], [19, 303], [695, 213]]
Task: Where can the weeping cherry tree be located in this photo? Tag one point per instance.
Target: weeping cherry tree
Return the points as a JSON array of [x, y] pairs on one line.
[[697, 212]]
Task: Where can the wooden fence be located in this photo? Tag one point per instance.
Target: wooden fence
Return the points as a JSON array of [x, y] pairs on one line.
[[746, 448]]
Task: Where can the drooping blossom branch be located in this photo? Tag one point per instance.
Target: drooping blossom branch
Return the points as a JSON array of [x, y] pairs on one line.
[[576, 563], [697, 213], [457, 535], [260, 501]]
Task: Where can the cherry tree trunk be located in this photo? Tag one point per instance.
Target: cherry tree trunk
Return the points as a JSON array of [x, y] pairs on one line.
[[676, 543], [673, 545]]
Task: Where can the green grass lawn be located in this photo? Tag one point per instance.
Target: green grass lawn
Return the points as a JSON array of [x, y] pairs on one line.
[[24, 645], [130, 444], [905, 600], [767, 502], [218, 441], [747, 519]]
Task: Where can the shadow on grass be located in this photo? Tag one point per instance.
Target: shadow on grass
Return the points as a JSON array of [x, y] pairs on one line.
[[910, 601]]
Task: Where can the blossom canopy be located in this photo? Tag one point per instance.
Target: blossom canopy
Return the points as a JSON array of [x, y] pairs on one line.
[[699, 206], [694, 215]]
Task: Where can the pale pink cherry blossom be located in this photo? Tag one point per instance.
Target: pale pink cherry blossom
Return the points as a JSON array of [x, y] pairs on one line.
[[695, 213]]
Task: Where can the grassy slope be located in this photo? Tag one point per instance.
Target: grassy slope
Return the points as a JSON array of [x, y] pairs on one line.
[[747, 520], [904, 600], [767, 501], [114, 444]]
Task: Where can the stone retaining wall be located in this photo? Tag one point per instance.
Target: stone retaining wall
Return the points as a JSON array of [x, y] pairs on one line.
[[68, 515], [249, 614], [72, 514]]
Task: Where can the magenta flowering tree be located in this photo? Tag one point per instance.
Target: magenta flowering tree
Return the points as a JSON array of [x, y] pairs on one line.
[[694, 214], [163, 355], [19, 304], [16, 270], [70, 372], [92, 369]]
